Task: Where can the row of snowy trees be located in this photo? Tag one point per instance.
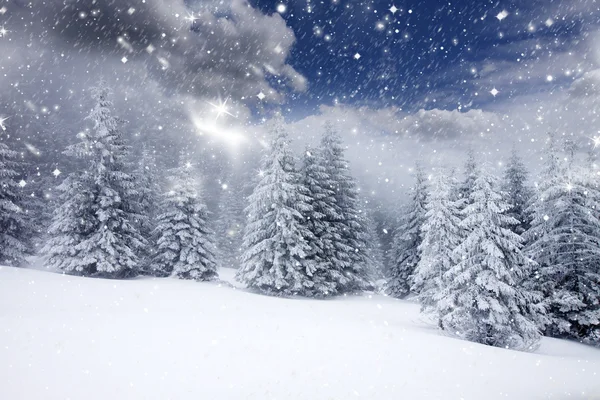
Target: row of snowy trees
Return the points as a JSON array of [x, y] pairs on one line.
[[496, 262], [110, 218], [304, 232]]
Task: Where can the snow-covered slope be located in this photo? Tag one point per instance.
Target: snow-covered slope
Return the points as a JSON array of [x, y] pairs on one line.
[[68, 337]]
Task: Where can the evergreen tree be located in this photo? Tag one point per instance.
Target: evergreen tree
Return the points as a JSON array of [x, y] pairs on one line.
[[321, 218], [470, 174], [230, 225], [440, 233], [565, 240], [516, 191], [184, 246], [482, 300], [276, 236], [147, 204], [94, 233], [15, 225], [350, 267], [405, 253]]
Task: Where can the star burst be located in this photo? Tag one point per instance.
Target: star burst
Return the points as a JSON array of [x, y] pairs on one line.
[[221, 108], [596, 141]]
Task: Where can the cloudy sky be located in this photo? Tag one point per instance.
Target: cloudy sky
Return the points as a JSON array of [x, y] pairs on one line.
[[401, 80]]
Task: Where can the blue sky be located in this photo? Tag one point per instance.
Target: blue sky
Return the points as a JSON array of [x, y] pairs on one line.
[[421, 51]]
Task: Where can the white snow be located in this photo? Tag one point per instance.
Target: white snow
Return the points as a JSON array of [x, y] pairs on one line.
[[69, 337]]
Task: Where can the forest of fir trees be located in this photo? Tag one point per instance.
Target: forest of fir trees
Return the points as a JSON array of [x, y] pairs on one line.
[[494, 260]]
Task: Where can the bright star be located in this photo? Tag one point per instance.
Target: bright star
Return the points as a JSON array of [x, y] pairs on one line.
[[22, 183], [494, 92], [56, 172], [357, 56], [596, 141], [393, 9], [3, 31], [261, 96], [191, 18], [221, 108]]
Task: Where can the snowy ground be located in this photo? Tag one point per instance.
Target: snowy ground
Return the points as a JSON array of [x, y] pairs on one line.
[[68, 337]]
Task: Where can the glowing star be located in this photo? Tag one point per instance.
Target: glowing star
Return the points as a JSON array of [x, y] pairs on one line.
[[549, 22], [2, 10], [393, 9], [357, 56], [191, 18], [596, 141], [281, 8], [56, 172], [569, 187], [124, 60], [549, 78], [3, 31], [2, 125], [261, 96], [494, 92], [22, 183], [221, 108], [188, 165], [546, 218], [502, 14]]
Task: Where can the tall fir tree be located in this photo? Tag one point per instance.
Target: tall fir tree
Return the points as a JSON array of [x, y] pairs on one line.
[[147, 181], [322, 217], [15, 223], [94, 232], [405, 253], [516, 192], [441, 233], [351, 250], [230, 224], [470, 174], [565, 240], [276, 236], [184, 242], [482, 299]]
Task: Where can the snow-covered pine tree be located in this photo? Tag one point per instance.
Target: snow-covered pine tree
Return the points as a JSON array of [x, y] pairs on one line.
[[184, 243], [516, 191], [374, 249], [230, 224], [440, 234], [147, 204], [405, 253], [351, 258], [481, 299], [276, 236], [470, 174], [565, 240], [94, 233], [15, 225]]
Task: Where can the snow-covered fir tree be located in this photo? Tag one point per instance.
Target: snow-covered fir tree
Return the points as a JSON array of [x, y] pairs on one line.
[[230, 224], [470, 174], [440, 234], [276, 236], [405, 253], [147, 181], [350, 268], [482, 299], [15, 224], [565, 240], [516, 191], [94, 232], [375, 250], [184, 242]]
